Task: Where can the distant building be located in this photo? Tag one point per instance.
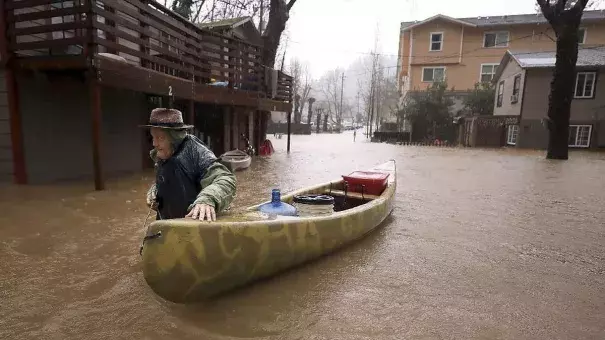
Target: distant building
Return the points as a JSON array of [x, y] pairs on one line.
[[523, 86], [464, 51]]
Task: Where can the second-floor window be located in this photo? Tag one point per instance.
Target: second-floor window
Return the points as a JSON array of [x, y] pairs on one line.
[[500, 94], [495, 39], [433, 74], [436, 41], [516, 89], [585, 82], [487, 72]]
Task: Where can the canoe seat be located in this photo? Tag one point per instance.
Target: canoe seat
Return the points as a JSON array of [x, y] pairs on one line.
[[351, 194]]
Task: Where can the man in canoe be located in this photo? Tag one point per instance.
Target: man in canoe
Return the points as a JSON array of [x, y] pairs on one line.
[[190, 182]]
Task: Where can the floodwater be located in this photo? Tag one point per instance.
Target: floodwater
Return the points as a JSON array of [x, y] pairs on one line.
[[482, 244]]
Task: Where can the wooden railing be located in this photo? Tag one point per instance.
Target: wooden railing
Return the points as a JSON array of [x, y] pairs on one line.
[[144, 33], [284, 87]]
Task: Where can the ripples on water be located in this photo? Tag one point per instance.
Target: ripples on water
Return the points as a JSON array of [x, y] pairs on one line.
[[486, 244]]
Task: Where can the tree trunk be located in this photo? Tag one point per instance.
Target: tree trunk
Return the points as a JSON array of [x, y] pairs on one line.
[[565, 21], [310, 114], [561, 93], [278, 16]]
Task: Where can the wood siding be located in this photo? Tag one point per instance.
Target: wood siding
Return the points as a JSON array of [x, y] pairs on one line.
[[6, 157]]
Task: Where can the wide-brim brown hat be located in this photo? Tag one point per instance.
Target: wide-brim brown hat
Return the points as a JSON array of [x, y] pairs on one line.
[[166, 119]]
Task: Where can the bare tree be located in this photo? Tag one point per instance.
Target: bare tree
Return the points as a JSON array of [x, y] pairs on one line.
[[301, 84], [564, 16], [331, 89], [275, 13]]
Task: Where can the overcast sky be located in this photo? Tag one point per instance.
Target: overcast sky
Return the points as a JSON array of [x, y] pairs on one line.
[[333, 33]]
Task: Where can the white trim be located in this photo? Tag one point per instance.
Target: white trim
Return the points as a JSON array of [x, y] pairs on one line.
[[495, 40], [592, 89], [440, 16], [498, 94], [440, 42], [493, 70], [433, 68], [509, 140], [585, 32], [514, 100], [575, 145]]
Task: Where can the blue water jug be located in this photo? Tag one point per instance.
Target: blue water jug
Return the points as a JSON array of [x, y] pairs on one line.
[[276, 206]]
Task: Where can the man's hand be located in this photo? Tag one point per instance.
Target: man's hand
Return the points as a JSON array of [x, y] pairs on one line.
[[202, 211]]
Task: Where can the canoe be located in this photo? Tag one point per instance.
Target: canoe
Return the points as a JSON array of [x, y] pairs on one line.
[[236, 159], [187, 261]]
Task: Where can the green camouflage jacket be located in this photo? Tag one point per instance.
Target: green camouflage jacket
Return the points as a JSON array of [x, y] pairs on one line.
[[218, 187]]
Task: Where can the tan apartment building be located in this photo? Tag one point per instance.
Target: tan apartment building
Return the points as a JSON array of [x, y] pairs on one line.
[[464, 51]]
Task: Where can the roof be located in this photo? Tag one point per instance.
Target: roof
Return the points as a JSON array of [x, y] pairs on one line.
[[231, 22], [411, 25], [516, 19], [587, 57]]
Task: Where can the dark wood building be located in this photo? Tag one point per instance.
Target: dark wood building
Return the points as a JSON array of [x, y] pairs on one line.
[[78, 77]]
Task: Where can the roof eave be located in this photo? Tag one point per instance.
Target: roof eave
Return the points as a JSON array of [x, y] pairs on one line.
[[439, 16]]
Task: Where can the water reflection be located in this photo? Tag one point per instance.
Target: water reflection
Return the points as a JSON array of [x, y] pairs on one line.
[[481, 244]]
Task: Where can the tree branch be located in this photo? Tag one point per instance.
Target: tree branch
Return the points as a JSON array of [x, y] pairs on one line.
[[580, 4], [290, 4], [560, 6], [199, 10], [547, 10]]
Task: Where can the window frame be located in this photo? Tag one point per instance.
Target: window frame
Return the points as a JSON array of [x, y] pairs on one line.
[[509, 140], [594, 84], [578, 126], [500, 95], [583, 36], [496, 39], [516, 89], [431, 41], [433, 68], [495, 67]]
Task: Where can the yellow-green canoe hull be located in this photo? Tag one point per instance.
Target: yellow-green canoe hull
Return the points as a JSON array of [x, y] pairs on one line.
[[186, 261]]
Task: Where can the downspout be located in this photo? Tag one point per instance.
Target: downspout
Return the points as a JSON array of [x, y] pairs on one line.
[[410, 60], [524, 75], [461, 43]]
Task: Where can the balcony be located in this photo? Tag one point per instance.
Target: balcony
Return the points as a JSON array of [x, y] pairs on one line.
[[143, 46]]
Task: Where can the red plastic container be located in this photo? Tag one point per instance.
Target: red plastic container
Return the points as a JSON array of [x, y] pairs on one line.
[[374, 182]]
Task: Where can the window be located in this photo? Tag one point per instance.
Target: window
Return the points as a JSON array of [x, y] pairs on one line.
[[487, 72], [585, 82], [436, 41], [513, 133], [581, 35], [579, 136], [495, 39], [516, 89], [500, 93], [433, 74]]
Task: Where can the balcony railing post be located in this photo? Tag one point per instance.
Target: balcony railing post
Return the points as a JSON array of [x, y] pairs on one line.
[[90, 47], [14, 111]]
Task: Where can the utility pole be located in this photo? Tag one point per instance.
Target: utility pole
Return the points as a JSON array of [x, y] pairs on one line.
[[342, 86], [262, 15]]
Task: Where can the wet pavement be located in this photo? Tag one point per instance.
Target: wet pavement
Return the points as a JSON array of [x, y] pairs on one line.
[[482, 244]]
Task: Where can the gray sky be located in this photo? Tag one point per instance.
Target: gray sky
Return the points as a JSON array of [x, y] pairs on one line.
[[333, 33]]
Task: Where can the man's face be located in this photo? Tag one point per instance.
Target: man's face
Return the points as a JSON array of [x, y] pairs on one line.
[[161, 143]]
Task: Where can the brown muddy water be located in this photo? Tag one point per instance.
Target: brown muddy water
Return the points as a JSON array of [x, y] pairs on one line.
[[482, 244]]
